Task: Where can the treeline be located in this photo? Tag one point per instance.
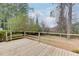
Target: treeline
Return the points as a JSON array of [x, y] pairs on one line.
[[14, 17]]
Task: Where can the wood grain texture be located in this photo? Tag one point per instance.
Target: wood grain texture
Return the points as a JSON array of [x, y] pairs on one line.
[[26, 47]]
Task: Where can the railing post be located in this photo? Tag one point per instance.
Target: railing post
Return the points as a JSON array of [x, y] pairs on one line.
[[10, 35], [60, 35], [24, 34], [39, 36], [6, 36], [68, 36]]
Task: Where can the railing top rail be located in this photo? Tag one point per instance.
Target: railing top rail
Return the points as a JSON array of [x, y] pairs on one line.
[[54, 33], [49, 33]]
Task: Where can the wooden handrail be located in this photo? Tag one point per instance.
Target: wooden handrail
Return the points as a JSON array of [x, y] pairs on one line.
[[54, 33], [39, 33], [49, 33]]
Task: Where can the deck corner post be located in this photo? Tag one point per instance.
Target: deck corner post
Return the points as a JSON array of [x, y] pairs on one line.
[[24, 33], [10, 35], [6, 36]]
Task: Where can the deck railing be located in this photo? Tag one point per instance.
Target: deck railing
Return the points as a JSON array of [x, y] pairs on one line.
[[24, 34]]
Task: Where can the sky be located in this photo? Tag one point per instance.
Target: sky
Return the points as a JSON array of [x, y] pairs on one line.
[[43, 10]]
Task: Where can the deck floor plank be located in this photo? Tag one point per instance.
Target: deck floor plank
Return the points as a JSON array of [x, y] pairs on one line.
[[27, 47]]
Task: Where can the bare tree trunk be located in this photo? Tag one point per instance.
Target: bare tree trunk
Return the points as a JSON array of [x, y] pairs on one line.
[[65, 24], [69, 20], [61, 23]]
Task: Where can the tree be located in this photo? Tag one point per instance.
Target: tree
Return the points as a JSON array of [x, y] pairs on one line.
[[34, 22], [65, 18], [6, 12], [19, 20], [59, 14], [43, 26], [19, 23], [62, 19], [34, 26], [69, 20]]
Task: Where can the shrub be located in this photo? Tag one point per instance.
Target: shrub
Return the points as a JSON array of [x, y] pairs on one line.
[[76, 50], [2, 35]]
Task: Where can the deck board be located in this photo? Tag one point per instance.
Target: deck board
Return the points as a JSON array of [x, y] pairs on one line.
[[27, 47]]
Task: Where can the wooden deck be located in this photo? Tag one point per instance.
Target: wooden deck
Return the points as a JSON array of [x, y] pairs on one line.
[[26, 47]]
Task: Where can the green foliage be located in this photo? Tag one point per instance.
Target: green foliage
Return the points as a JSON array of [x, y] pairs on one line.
[[14, 17], [34, 26], [19, 23], [2, 35], [11, 10]]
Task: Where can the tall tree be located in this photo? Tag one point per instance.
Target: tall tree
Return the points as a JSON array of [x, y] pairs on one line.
[[65, 18], [62, 18], [20, 18], [6, 11], [69, 20]]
